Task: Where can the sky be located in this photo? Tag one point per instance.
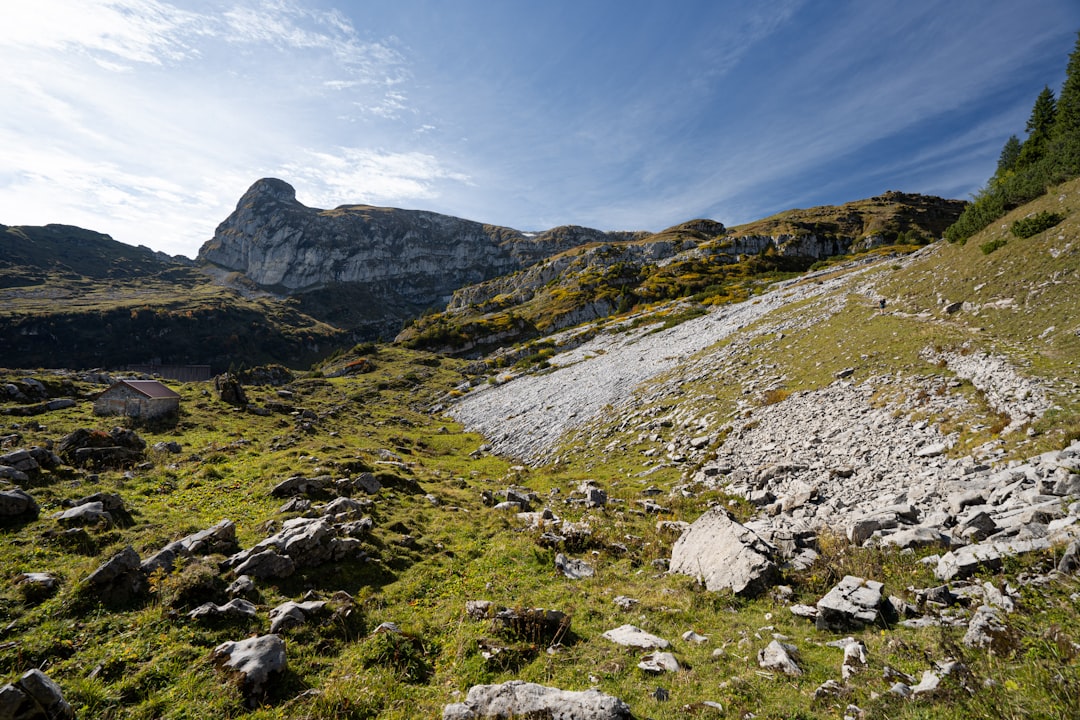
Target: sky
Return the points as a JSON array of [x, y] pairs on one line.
[[148, 119]]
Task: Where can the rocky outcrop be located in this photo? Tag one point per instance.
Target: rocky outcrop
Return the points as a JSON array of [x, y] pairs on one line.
[[527, 700], [277, 242]]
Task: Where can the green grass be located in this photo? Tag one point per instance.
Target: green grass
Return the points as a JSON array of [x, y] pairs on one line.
[[145, 660]]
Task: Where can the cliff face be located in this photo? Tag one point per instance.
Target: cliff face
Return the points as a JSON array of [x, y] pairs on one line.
[[277, 242]]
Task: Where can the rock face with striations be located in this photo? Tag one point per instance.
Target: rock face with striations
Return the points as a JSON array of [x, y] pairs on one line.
[[279, 243]]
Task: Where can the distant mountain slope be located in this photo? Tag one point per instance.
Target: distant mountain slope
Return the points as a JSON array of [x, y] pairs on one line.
[[979, 320], [369, 269], [29, 253], [699, 260], [75, 298]]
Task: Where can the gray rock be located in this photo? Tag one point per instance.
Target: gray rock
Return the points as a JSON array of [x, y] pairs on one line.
[[291, 614], [853, 604], [659, 662], [254, 663], [917, 537], [342, 508], [235, 609], [219, 539], [243, 586], [780, 657], [367, 483], [723, 555], [16, 503], [92, 513], [266, 564], [163, 560], [118, 580], [987, 629], [633, 636], [572, 568], [299, 485], [963, 562], [34, 696], [519, 699]]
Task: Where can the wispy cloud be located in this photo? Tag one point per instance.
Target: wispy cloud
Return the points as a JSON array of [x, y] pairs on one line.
[[361, 175], [106, 98]]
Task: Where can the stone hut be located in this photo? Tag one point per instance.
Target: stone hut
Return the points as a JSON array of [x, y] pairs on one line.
[[142, 399]]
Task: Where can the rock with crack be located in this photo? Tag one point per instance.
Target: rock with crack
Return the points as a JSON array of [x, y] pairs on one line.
[[292, 614], [34, 696], [853, 604], [987, 629], [235, 609], [780, 657], [255, 663], [724, 555], [633, 636], [519, 699], [965, 561]]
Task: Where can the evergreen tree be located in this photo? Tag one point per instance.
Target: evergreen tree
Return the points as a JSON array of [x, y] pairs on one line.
[[1039, 127], [1066, 130], [1009, 155]]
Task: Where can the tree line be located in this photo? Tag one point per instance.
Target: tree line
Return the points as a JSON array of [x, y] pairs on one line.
[[1048, 156]]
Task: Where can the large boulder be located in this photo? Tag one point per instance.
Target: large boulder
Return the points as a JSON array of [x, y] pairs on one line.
[[118, 580], [17, 503], [34, 696], [119, 447], [254, 663], [853, 604], [519, 699], [725, 555]]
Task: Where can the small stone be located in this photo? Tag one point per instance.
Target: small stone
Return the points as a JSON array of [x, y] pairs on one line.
[[780, 657]]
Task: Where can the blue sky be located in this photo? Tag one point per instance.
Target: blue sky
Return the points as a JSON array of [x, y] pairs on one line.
[[148, 119]]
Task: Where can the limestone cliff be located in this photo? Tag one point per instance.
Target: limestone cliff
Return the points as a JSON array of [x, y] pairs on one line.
[[277, 242]]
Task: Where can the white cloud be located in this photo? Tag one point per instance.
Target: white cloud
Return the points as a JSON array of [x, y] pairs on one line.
[[361, 175]]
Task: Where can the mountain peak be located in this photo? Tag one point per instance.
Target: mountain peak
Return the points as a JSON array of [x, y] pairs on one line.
[[270, 189]]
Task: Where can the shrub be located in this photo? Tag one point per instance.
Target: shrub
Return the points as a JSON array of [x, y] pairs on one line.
[[1031, 226], [992, 245]]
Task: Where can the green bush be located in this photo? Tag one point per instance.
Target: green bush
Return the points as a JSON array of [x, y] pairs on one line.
[[1031, 226], [992, 245]]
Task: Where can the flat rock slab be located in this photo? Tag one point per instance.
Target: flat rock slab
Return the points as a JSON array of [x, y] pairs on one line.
[[725, 555], [573, 568], [518, 699], [853, 604], [632, 636], [962, 563]]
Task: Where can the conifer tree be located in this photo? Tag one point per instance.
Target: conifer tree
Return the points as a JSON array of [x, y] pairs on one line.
[[1066, 130], [1039, 127], [1009, 155]]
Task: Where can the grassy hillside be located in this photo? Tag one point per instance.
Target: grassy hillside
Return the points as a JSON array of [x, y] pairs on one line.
[[436, 542], [695, 261]]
